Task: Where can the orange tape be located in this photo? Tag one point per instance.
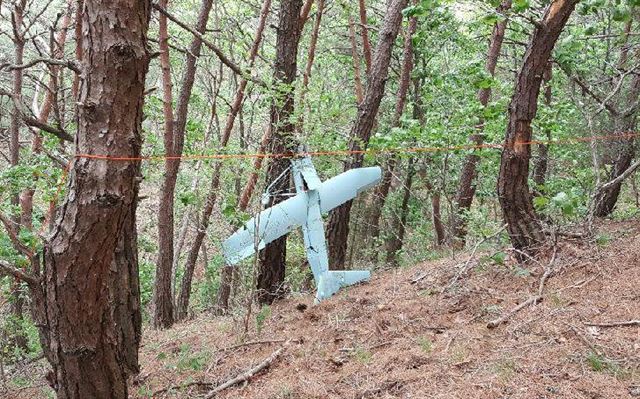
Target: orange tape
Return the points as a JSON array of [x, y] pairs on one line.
[[190, 157], [414, 150]]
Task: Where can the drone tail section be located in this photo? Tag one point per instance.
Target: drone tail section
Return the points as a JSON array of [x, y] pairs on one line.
[[331, 281]]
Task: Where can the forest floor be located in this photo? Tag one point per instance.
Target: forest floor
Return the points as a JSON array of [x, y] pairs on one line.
[[401, 336]]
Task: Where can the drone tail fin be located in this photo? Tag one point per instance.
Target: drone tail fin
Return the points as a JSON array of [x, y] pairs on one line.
[[331, 281]]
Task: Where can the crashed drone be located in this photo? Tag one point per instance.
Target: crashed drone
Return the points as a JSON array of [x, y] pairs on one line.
[[313, 199]]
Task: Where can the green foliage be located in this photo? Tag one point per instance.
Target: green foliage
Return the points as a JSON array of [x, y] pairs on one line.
[[601, 364], [147, 275], [362, 355], [262, 316], [425, 345], [188, 360]]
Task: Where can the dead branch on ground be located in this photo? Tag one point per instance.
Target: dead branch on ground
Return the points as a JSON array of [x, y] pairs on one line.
[[533, 299], [246, 376], [629, 323]]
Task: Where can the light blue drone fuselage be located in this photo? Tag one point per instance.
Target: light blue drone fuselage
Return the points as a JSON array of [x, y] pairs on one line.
[[305, 210]]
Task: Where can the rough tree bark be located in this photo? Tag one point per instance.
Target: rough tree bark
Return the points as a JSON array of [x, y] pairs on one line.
[[356, 62], [272, 258], [17, 304], [468, 177], [513, 186], [87, 304], [542, 158], [382, 190], [364, 32], [338, 225], [605, 199], [250, 186], [163, 316], [182, 305], [395, 242]]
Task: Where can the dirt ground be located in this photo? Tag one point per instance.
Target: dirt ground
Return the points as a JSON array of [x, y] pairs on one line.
[[401, 336]]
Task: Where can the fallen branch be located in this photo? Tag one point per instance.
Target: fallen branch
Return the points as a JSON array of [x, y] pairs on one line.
[[629, 323], [532, 300], [246, 375], [586, 340], [250, 343], [420, 278], [181, 387]]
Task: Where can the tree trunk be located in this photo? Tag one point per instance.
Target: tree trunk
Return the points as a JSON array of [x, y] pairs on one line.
[[606, 199], [311, 55], [226, 278], [79, 53], [338, 224], [182, 305], [382, 190], [272, 259], [356, 62], [88, 311], [247, 192], [542, 160], [364, 31], [163, 316], [17, 304], [469, 175], [513, 186], [394, 244]]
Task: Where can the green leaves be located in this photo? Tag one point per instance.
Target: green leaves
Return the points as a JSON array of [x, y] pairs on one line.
[[187, 198], [621, 14], [520, 5], [421, 9]]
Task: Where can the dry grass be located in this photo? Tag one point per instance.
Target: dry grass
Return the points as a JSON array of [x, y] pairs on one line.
[[394, 339]]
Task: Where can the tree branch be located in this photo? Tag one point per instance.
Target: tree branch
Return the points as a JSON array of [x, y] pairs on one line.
[[32, 121], [630, 170], [246, 375], [32, 281], [226, 61], [585, 87], [13, 236], [71, 64], [630, 323]]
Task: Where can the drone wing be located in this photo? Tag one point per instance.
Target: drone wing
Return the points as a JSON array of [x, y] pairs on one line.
[[281, 219], [269, 225], [346, 186]]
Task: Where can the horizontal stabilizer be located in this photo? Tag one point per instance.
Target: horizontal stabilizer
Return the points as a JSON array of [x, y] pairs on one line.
[[331, 281]]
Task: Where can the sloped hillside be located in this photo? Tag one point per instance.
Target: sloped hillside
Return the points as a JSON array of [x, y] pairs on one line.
[[400, 336]]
